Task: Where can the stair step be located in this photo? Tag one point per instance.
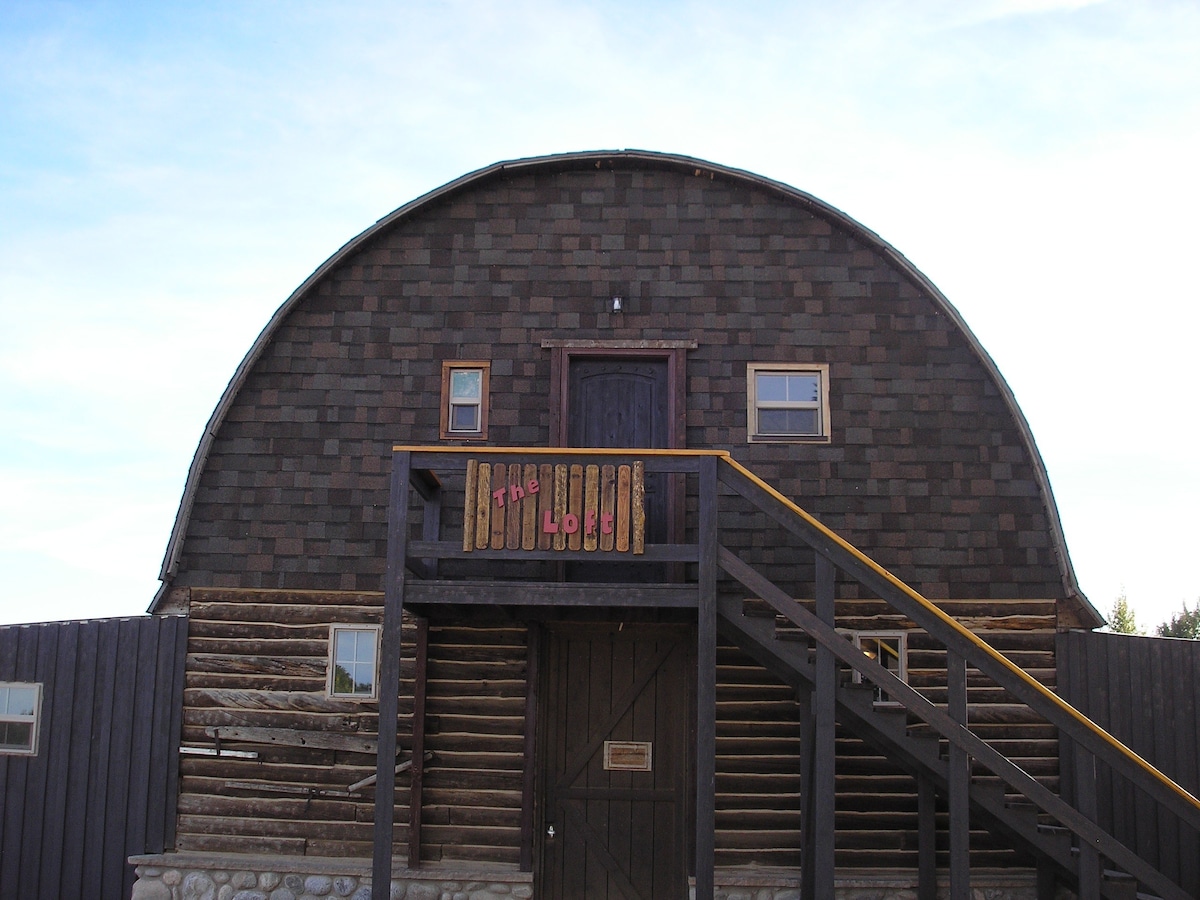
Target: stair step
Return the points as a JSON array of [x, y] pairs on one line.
[[759, 609], [1056, 839]]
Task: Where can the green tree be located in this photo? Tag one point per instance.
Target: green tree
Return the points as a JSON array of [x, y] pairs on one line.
[[1185, 624], [1122, 619]]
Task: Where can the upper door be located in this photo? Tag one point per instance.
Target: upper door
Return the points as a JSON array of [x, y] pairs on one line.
[[623, 402]]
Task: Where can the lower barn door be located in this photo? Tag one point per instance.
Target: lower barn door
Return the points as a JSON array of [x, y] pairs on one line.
[[616, 748]]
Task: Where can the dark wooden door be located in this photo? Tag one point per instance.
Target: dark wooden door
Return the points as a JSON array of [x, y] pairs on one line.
[[616, 749], [623, 402]]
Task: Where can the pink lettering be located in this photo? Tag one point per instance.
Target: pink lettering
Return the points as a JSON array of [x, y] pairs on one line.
[[498, 496], [606, 523], [548, 524], [570, 523]]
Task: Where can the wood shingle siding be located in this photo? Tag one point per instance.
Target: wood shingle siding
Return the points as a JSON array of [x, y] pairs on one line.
[[927, 468]]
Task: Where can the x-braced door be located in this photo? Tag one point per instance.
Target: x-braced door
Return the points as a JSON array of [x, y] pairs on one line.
[[619, 723]]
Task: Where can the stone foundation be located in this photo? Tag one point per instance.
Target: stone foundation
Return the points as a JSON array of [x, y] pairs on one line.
[[231, 876]]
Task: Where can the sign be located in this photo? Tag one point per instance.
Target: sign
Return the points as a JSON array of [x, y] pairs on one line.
[[519, 506], [627, 756]]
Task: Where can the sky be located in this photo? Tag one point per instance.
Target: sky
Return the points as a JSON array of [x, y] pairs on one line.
[[170, 172]]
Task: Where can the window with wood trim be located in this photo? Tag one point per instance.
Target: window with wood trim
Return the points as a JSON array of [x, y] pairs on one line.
[[787, 402], [465, 400], [890, 650], [353, 661], [20, 709]]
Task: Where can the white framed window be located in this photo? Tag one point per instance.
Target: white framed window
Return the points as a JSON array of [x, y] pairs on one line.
[[787, 402], [465, 400], [890, 650], [354, 661], [20, 710]]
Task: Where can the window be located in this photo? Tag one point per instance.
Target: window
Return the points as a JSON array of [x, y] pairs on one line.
[[465, 400], [20, 706], [352, 661], [890, 650], [787, 402]]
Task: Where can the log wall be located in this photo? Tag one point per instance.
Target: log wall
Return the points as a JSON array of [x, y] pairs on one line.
[[475, 722], [258, 658]]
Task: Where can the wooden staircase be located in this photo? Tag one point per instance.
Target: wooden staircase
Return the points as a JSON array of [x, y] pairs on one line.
[[942, 751]]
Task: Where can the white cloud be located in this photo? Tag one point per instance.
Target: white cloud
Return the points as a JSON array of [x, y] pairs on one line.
[[167, 180]]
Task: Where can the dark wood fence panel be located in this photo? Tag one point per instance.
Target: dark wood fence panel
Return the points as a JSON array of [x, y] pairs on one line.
[[1146, 692], [102, 786]]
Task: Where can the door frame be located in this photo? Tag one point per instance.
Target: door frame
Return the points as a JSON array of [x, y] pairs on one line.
[[675, 354]]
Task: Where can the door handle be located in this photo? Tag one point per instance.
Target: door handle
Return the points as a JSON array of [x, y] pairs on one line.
[[550, 832]]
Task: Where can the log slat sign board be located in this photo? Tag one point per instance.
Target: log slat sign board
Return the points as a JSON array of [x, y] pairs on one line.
[[560, 507]]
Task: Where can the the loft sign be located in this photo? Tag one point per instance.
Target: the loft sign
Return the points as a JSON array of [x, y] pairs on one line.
[[523, 506]]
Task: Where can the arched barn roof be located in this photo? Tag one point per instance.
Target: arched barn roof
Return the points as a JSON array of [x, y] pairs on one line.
[[624, 159]]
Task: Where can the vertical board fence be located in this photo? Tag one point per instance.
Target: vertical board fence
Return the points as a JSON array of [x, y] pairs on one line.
[[103, 784], [1146, 692]]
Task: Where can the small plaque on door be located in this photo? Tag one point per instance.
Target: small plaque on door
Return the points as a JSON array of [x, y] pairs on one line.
[[627, 756]]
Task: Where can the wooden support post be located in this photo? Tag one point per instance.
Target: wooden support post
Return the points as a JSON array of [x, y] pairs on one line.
[[960, 783], [1047, 881], [389, 676], [1085, 794], [824, 744], [706, 684], [533, 643], [807, 826], [417, 781], [926, 839]]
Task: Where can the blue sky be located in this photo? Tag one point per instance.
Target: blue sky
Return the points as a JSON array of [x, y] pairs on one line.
[[169, 173]]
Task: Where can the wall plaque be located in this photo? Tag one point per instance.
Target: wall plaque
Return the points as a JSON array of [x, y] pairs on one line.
[[628, 756]]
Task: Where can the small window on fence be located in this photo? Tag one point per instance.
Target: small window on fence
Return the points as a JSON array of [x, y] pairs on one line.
[[353, 661], [465, 400], [890, 650], [20, 707], [787, 402]]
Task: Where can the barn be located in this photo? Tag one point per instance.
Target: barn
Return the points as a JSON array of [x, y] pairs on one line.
[[619, 524]]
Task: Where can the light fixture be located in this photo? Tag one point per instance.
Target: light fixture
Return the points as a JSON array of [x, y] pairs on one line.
[[616, 304]]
